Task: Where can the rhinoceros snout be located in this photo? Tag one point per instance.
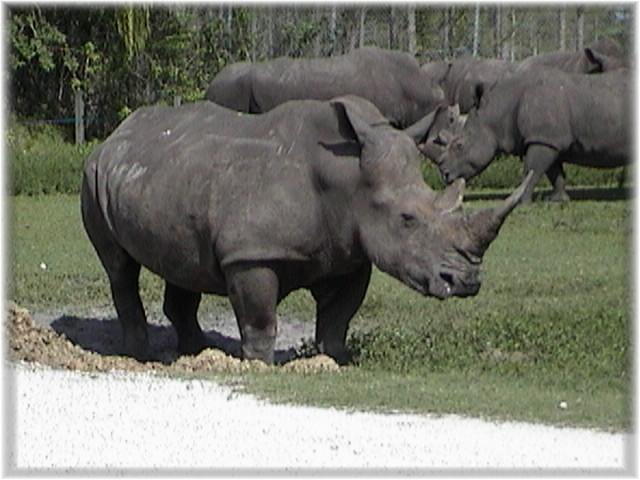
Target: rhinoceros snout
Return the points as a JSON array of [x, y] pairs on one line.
[[447, 178], [461, 285]]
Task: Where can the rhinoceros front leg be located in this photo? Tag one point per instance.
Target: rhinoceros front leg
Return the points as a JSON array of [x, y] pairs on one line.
[[556, 176], [181, 307], [337, 301], [253, 292], [538, 158]]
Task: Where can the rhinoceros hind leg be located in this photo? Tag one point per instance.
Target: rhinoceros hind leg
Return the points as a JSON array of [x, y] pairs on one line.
[[556, 176], [253, 292], [337, 301], [538, 158], [123, 274], [181, 308]]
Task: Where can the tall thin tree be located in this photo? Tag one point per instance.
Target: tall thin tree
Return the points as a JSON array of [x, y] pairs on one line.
[[476, 30], [411, 28]]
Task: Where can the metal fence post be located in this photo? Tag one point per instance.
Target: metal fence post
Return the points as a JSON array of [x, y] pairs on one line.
[[79, 116]]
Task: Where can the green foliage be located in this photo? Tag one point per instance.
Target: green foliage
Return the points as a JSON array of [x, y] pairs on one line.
[[42, 162], [33, 38], [133, 27]]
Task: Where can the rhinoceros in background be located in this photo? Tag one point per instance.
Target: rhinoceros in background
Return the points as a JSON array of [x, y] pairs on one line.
[[548, 117], [588, 60], [391, 80], [459, 77], [432, 132], [253, 207], [608, 46]]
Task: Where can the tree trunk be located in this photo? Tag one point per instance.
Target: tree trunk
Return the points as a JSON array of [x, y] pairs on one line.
[[533, 34], [580, 27], [476, 30], [363, 14], [392, 28], [332, 29], [512, 56], [498, 33], [563, 29], [270, 32], [254, 32], [317, 40], [79, 116], [452, 29], [446, 33], [411, 29]]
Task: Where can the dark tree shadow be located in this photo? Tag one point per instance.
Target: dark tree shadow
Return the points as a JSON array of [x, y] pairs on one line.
[[575, 193], [104, 336]]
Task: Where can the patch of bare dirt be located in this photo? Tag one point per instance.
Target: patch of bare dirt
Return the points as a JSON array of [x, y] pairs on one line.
[[31, 342]]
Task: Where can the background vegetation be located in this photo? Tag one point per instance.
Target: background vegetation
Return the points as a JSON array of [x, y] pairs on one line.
[[125, 57]]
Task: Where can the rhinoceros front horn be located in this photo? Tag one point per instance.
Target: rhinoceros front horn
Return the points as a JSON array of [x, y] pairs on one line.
[[485, 224]]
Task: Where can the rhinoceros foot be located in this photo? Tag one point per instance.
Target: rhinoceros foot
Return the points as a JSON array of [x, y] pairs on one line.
[[192, 344], [559, 197], [137, 348]]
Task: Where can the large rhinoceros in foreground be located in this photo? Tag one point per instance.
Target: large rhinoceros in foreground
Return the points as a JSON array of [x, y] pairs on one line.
[[550, 118], [390, 79], [254, 207]]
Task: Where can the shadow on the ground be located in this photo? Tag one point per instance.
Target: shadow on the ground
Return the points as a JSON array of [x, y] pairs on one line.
[[104, 336], [576, 193]]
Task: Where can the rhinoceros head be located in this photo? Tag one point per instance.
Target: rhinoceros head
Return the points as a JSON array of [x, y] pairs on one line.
[[469, 152], [431, 133], [420, 237]]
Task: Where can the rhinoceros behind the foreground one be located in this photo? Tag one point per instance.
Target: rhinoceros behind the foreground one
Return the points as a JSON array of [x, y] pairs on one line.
[[254, 207], [549, 118], [390, 79]]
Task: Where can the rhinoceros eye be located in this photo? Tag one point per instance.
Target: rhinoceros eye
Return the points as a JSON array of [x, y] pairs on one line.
[[409, 220]]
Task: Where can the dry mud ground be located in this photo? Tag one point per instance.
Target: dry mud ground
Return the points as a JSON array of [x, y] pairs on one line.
[[92, 344]]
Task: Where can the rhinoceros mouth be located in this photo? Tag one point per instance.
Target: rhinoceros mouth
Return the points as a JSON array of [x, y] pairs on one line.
[[440, 289]]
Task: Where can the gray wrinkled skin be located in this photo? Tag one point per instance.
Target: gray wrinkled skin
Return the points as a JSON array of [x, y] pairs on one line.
[[391, 80], [549, 118], [253, 207]]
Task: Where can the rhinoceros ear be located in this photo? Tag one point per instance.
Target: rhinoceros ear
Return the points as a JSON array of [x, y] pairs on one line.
[[594, 60], [361, 130], [478, 92], [450, 199], [420, 130]]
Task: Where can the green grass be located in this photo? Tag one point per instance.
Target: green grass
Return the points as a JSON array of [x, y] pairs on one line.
[[551, 321], [486, 395], [43, 162]]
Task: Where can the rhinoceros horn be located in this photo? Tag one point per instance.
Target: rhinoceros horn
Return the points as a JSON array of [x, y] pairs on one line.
[[485, 224]]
